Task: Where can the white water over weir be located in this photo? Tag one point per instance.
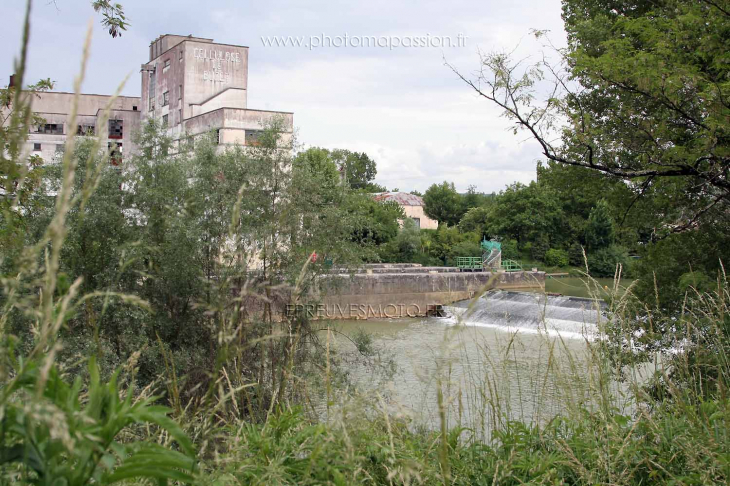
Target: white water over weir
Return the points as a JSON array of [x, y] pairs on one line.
[[536, 313]]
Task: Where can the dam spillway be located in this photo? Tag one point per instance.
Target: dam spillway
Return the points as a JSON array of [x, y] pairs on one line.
[[531, 313]]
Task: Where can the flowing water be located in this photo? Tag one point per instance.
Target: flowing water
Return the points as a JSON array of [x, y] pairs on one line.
[[507, 355]]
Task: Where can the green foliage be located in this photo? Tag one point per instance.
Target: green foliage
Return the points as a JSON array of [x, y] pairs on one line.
[[359, 169], [556, 258], [408, 240], [575, 255], [475, 219], [600, 232], [113, 16], [539, 248], [604, 262], [473, 199], [443, 203], [375, 222], [665, 261], [528, 213], [510, 250], [58, 439], [697, 281]]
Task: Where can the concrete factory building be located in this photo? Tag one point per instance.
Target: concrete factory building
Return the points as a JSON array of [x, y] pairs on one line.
[[191, 85], [412, 206]]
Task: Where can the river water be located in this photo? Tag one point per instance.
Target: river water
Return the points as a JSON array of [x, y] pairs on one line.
[[505, 356]]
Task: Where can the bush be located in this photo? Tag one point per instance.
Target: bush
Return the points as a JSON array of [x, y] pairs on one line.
[[575, 255], [510, 250], [603, 262], [539, 248], [463, 249], [556, 258]]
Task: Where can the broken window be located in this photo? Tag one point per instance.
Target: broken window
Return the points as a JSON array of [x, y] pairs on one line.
[[181, 55], [115, 153], [134, 107], [86, 130], [51, 128], [165, 98], [164, 121], [36, 147], [252, 137], [152, 104], [167, 66], [179, 115], [116, 129]]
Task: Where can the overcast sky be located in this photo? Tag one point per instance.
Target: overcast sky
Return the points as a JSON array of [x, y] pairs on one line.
[[402, 106]]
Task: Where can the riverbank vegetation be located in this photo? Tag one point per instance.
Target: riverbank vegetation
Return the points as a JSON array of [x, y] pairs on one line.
[[139, 345]]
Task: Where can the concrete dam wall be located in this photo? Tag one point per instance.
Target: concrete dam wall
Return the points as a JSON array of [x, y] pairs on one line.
[[408, 290]]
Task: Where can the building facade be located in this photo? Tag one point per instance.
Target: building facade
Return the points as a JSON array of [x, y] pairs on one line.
[[192, 86], [412, 207]]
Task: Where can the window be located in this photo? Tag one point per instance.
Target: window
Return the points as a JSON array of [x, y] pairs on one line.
[[167, 66], [36, 147], [164, 121], [165, 98], [134, 107], [116, 129], [181, 55], [51, 128], [179, 115], [417, 222], [115, 153], [86, 130], [252, 137], [152, 104]]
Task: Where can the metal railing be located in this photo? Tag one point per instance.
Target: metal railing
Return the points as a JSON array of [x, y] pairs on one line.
[[469, 263]]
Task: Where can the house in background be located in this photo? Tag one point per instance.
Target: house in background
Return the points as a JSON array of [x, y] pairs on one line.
[[412, 206]]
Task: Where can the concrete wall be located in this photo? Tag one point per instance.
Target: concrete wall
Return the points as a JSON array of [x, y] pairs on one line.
[[363, 296], [212, 69], [417, 212], [54, 107], [230, 98]]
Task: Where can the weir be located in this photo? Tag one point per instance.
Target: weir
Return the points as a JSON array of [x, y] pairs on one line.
[[408, 290], [531, 312]]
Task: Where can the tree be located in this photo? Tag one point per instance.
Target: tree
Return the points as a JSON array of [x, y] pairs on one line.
[[443, 203], [374, 223], [474, 199], [528, 213], [645, 89], [359, 168], [113, 16], [408, 240], [475, 219], [600, 231]]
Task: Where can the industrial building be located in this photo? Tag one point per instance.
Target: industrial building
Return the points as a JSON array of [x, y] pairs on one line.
[[191, 85]]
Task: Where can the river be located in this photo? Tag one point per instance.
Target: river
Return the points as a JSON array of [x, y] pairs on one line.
[[513, 356]]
